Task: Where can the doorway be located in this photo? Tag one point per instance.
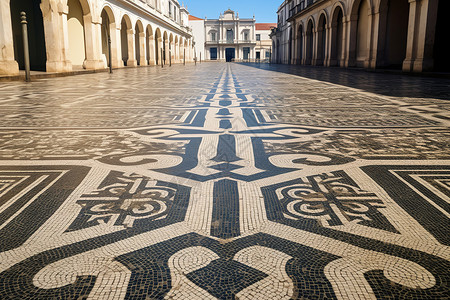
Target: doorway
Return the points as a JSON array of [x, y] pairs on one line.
[[36, 36], [230, 54]]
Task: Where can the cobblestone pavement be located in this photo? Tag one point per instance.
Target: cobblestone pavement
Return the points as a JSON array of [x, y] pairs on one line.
[[225, 181]]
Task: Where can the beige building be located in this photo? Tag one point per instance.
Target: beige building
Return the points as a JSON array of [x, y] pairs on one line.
[[263, 41], [72, 34], [406, 34]]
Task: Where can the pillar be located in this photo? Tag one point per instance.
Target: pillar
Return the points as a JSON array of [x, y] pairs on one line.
[[56, 35], [8, 65], [143, 49], [131, 62], [93, 40]]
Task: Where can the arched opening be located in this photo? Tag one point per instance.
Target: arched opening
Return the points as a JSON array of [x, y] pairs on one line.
[[337, 36], [77, 41], [139, 44], [158, 46], [108, 24], [321, 40], [36, 36], [396, 33], [125, 36], [149, 41], [300, 44], [362, 34], [441, 46], [309, 42], [165, 48]]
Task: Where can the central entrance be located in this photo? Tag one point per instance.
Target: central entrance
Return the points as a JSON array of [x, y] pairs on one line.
[[230, 54]]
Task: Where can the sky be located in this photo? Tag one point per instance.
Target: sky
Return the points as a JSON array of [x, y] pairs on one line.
[[265, 11]]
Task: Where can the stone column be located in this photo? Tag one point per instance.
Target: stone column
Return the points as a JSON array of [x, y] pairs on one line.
[[116, 46], [370, 35], [349, 27], [151, 45], [54, 15], [93, 40], [373, 46], [315, 60], [425, 31], [131, 62], [8, 65], [143, 49]]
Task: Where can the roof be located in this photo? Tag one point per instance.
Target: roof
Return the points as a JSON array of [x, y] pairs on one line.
[[265, 26], [192, 18]]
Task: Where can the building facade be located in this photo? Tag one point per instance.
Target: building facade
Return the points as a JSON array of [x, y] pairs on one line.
[[405, 34], [263, 47], [281, 36], [66, 35], [198, 32], [230, 38]]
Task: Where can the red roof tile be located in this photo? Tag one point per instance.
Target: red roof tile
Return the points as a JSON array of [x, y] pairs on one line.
[[265, 26], [192, 18]]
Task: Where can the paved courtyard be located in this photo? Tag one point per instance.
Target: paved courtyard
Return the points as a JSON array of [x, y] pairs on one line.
[[225, 181]]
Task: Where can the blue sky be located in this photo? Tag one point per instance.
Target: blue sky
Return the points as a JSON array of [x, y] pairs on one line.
[[265, 11]]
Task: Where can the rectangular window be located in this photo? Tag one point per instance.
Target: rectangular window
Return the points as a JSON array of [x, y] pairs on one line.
[[213, 53], [258, 37], [213, 36], [230, 36]]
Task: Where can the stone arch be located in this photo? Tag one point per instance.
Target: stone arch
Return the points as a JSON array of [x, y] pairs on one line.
[[78, 18], [337, 35], [360, 33], [139, 43], [165, 48], [36, 34], [150, 45], [322, 38], [393, 37], [300, 43], [309, 41], [127, 41], [108, 32]]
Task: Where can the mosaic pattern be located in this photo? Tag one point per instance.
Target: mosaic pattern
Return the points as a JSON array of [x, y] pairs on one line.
[[229, 183]]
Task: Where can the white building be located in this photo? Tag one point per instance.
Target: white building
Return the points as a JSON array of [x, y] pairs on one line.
[[70, 34], [263, 41], [230, 38], [198, 32]]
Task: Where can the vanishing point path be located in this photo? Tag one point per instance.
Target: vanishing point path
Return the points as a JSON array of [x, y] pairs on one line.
[[225, 181]]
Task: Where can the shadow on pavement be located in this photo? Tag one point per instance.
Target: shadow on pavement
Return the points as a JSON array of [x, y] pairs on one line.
[[395, 85]]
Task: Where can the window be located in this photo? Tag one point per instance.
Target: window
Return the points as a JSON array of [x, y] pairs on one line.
[[230, 36], [258, 55], [213, 36], [170, 8], [258, 37]]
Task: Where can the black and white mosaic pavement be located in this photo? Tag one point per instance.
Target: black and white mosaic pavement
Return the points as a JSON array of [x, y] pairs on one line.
[[225, 181]]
